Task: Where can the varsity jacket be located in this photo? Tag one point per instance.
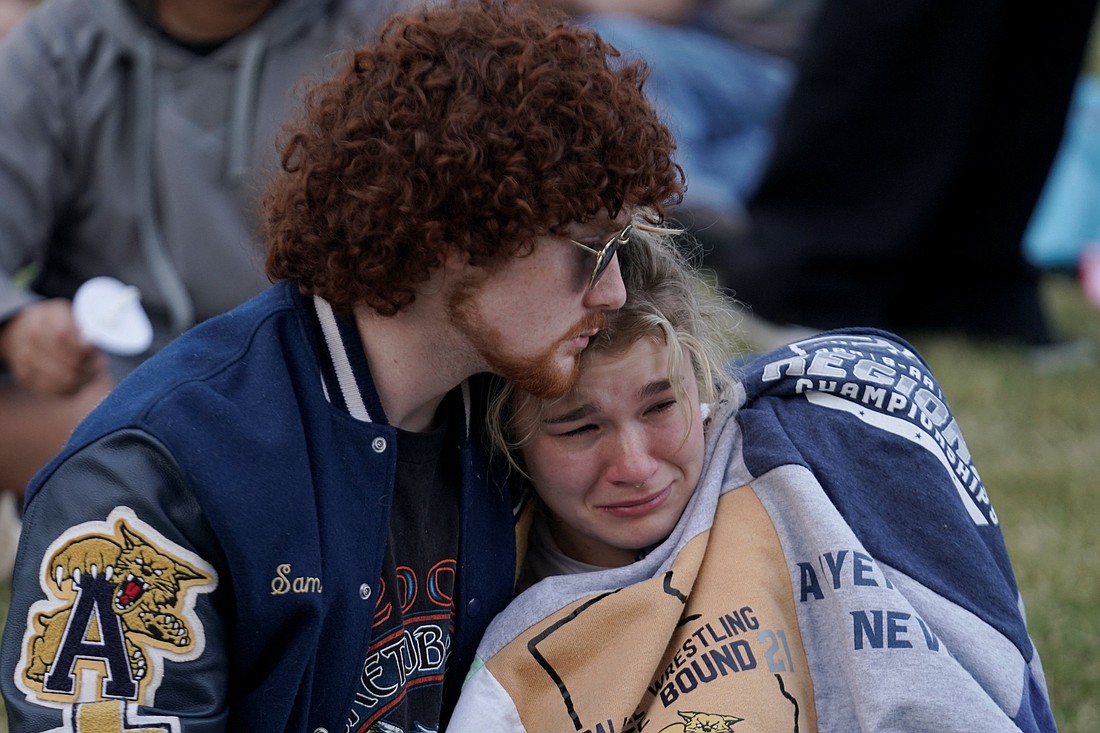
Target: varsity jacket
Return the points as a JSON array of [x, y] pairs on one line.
[[205, 553], [840, 568], [123, 154]]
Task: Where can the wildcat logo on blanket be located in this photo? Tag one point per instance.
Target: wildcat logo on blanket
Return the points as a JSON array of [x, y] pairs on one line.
[[120, 599], [703, 723]]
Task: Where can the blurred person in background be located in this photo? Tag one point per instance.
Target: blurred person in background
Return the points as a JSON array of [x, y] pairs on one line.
[[134, 138], [721, 71], [11, 12], [907, 163]]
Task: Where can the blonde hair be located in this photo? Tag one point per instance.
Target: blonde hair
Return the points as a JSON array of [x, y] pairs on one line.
[[666, 301]]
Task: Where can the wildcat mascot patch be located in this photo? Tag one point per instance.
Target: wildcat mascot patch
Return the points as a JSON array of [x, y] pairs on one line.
[[120, 602]]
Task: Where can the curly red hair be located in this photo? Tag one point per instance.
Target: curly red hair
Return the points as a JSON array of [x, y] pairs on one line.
[[477, 126]]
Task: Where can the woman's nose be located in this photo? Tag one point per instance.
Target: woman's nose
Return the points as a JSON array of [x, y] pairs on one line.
[[631, 461]]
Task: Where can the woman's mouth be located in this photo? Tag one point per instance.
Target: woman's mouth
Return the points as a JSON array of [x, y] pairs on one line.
[[641, 505]]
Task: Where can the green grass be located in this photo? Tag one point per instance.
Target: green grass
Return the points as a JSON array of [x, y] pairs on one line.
[[1034, 432]]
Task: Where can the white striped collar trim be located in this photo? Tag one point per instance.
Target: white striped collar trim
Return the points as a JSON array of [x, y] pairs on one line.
[[340, 362], [345, 376]]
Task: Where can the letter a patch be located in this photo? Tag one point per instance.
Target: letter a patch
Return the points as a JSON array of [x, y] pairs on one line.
[[120, 601]]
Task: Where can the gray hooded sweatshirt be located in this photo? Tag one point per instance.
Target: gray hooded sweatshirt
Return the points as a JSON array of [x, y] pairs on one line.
[[124, 154]]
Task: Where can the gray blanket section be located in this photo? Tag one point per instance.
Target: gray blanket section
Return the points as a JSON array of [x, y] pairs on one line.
[[885, 653]]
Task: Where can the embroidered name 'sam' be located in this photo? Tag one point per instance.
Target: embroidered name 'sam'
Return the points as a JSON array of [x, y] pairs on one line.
[[284, 582]]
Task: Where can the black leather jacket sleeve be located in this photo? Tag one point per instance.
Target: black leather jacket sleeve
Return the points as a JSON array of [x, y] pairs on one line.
[[120, 601]]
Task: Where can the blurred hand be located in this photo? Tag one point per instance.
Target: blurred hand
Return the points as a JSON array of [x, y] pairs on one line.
[[45, 352]]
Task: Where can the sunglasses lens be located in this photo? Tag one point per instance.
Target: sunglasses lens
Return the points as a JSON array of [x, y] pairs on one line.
[[603, 260]]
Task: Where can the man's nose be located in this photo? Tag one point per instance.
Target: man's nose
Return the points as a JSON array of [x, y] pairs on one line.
[[610, 291]]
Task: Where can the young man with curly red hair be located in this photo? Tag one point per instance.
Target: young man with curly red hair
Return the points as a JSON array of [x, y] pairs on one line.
[[287, 519]]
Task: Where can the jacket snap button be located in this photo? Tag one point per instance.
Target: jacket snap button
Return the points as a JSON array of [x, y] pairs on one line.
[[320, 730], [379, 445], [473, 607], [364, 591]]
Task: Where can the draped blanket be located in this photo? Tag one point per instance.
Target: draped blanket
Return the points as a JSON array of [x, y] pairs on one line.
[[839, 568]]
